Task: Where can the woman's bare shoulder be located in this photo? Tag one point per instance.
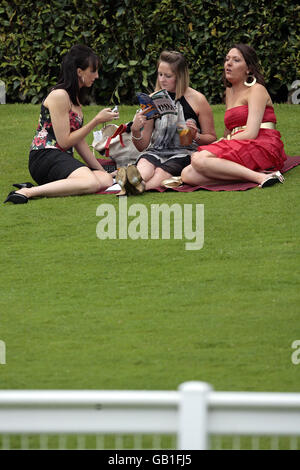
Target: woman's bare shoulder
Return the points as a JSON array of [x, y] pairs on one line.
[[260, 93], [58, 97], [196, 96]]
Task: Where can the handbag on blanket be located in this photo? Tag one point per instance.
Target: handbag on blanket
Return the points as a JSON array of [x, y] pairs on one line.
[[115, 142]]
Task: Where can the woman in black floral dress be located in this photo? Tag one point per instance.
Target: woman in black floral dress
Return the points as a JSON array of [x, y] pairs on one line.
[[51, 161]]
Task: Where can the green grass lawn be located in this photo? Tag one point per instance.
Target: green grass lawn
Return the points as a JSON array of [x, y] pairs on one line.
[[78, 312]]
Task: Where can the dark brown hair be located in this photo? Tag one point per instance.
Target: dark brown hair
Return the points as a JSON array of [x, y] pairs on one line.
[[79, 56], [251, 60]]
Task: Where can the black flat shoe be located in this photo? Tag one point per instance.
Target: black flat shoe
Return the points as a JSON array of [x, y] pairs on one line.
[[23, 185], [16, 198]]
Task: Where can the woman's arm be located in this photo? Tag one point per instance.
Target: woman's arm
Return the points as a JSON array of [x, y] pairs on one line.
[[226, 132], [58, 103], [207, 125], [141, 131], [205, 117], [85, 152]]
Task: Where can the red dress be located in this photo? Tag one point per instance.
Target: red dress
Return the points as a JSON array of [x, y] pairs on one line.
[[264, 152]]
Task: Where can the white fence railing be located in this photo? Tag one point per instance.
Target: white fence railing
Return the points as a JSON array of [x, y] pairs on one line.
[[192, 413]]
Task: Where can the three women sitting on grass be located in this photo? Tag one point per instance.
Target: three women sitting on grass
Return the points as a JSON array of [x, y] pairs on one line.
[[251, 149]]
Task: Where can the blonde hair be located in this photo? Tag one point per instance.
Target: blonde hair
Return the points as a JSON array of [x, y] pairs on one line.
[[179, 67]]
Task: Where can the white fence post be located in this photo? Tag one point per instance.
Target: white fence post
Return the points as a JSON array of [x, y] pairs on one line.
[[193, 411], [2, 92], [2, 352]]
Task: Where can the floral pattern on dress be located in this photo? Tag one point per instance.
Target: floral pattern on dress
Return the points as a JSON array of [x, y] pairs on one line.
[[45, 137]]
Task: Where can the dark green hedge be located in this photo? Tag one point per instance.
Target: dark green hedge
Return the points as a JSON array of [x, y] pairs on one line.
[[129, 35]]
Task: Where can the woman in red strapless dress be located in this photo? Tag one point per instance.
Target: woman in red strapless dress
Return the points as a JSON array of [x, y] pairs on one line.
[[251, 143]]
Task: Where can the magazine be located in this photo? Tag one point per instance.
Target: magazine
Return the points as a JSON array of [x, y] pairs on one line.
[[157, 105]]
